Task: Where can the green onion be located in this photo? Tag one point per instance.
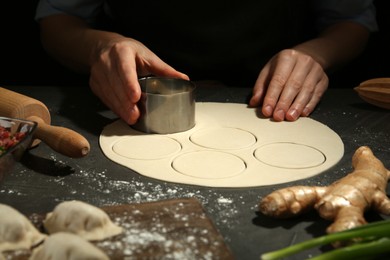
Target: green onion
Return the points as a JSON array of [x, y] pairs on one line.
[[357, 251], [372, 231]]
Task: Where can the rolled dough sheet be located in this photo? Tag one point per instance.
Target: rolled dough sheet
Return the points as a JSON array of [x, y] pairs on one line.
[[230, 146]]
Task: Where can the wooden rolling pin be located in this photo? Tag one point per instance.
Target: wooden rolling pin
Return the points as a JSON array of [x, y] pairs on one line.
[[60, 139]]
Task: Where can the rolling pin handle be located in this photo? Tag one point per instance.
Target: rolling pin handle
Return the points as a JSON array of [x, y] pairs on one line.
[[62, 140]]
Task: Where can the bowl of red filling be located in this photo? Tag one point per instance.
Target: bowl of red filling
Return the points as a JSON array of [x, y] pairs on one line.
[[16, 136]]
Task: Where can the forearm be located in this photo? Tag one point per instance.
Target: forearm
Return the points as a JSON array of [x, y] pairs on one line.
[[337, 45], [72, 42]]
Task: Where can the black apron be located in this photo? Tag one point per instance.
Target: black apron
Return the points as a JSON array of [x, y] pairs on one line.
[[221, 40]]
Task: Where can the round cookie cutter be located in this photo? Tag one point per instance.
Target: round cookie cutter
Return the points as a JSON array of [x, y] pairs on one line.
[[167, 105]]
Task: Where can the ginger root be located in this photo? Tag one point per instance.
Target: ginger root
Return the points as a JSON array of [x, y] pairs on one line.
[[343, 202]]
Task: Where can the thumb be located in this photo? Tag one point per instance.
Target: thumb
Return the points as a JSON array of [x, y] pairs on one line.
[[162, 69]]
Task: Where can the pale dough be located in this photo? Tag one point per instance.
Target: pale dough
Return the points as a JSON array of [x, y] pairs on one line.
[[144, 147], [230, 146], [223, 138], [67, 246], [209, 164], [16, 230], [290, 155], [81, 218]]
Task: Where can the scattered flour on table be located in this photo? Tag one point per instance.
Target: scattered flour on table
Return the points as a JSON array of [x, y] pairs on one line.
[[221, 204], [161, 237]]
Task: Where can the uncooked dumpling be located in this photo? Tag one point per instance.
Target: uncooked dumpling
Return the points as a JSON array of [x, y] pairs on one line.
[[81, 218], [16, 231], [67, 246]]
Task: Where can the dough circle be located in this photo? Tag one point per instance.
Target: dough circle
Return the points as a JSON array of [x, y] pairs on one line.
[[230, 146], [225, 138], [144, 147], [208, 164], [290, 155]]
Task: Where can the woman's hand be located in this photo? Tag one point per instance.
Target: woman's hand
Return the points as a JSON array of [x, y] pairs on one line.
[[289, 86], [114, 62], [115, 72]]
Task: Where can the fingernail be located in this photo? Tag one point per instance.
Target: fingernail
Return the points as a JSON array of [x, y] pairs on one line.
[[279, 115], [306, 111], [267, 111], [251, 102], [293, 114]]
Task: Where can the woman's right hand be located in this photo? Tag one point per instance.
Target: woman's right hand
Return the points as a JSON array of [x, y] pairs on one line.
[[115, 70], [113, 61]]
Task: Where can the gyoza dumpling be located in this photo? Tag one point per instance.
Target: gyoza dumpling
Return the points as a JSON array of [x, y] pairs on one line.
[[81, 218], [16, 231], [67, 246]]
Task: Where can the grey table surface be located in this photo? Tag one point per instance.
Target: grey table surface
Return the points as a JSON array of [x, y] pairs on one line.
[[43, 178]]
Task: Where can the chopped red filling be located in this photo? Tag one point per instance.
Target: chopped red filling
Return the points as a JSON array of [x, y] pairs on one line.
[[7, 140]]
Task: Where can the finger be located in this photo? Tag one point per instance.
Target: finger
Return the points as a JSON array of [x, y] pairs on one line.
[[260, 86], [315, 85], [149, 63], [320, 90], [107, 88], [282, 71], [160, 68], [128, 112], [123, 80], [294, 87], [125, 75]]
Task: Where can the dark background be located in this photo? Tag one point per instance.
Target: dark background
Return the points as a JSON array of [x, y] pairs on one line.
[[24, 62]]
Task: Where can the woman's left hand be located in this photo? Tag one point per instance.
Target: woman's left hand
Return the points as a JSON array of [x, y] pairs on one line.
[[290, 85]]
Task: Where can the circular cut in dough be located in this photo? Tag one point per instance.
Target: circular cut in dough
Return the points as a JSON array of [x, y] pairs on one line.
[[192, 160], [209, 164], [290, 155], [143, 147], [224, 138]]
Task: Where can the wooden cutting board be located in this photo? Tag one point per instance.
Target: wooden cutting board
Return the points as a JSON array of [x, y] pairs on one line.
[[168, 229]]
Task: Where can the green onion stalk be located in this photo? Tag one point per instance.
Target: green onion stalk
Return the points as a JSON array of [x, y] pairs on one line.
[[370, 240]]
